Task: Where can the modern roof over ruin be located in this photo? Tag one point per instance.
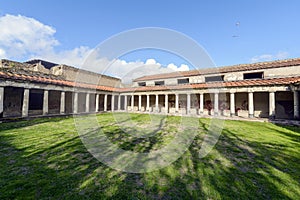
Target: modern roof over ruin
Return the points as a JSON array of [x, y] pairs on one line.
[[35, 77], [225, 69], [46, 64]]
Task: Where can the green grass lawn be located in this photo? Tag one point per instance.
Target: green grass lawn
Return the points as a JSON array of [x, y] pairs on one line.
[[45, 159]]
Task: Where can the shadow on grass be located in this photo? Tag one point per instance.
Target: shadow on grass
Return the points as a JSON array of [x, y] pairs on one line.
[[28, 122], [247, 169], [61, 167]]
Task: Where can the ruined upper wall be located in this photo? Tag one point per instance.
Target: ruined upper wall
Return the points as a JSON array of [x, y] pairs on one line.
[[63, 71], [37, 67], [84, 76], [13, 64]]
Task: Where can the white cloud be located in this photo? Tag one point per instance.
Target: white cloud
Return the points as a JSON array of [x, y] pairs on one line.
[[2, 53], [128, 71], [183, 67], [24, 37], [151, 61], [21, 35], [269, 57], [74, 57]]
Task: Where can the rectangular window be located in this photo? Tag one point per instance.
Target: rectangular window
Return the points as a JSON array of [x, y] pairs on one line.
[[214, 78], [183, 81], [142, 83], [159, 82], [255, 75]]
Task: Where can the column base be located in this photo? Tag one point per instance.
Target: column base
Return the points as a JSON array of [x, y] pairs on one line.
[[201, 113], [251, 115], [216, 113], [232, 114], [272, 117]]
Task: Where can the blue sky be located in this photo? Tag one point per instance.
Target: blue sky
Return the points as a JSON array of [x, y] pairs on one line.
[[266, 30]]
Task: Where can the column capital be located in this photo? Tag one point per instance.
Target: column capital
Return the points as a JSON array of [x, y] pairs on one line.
[[272, 90], [215, 91], [232, 91], [250, 90]]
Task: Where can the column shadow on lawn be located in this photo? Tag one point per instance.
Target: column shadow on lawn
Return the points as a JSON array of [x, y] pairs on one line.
[[238, 169], [250, 170], [28, 122]]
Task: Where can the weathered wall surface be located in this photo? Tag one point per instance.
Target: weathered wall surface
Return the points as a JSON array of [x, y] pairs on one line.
[[13, 99], [69, 102], [83, 76], [261, 104], [284, 105], [63, 72], [231, 76], [54, 102]]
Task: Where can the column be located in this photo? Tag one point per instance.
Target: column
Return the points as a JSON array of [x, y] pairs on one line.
[[232, 104], [148, 103], [272, 105], [1, 100], [250, 105], [156, 103], [216, 104], [112, 103], [75, 103], [166, 103], [25, 105], [201, 109], [105, 103], [119, 102], [87, 102], [176, 102], [188, 104], [132, 102], [296, 104], [125, 103], [97, 103], [62, 102], [140, 102], [45, 102]]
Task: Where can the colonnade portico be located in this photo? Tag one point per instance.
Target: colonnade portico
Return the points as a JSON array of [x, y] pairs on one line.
[[185, 103], [238, 102]]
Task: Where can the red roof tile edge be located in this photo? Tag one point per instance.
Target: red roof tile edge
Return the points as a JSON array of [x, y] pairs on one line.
[[241, 83], [224, 69]]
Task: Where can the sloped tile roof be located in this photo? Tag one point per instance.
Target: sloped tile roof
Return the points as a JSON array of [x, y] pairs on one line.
[[225, 69], [241, 83], [48, 79]]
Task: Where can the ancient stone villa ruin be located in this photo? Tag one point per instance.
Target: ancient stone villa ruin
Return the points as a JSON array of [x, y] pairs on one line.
[[264, 90]]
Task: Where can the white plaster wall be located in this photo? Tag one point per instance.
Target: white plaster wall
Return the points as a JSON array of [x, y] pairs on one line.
[[197, 79], [233, 76], [261, 104], [286, 71]]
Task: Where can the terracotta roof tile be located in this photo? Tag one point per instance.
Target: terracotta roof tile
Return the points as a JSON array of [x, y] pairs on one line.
[[225, 69], [241, 83], [48, 80]]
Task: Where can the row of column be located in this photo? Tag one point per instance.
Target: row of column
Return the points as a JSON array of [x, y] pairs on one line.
[[216, 103], [25, 104]]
